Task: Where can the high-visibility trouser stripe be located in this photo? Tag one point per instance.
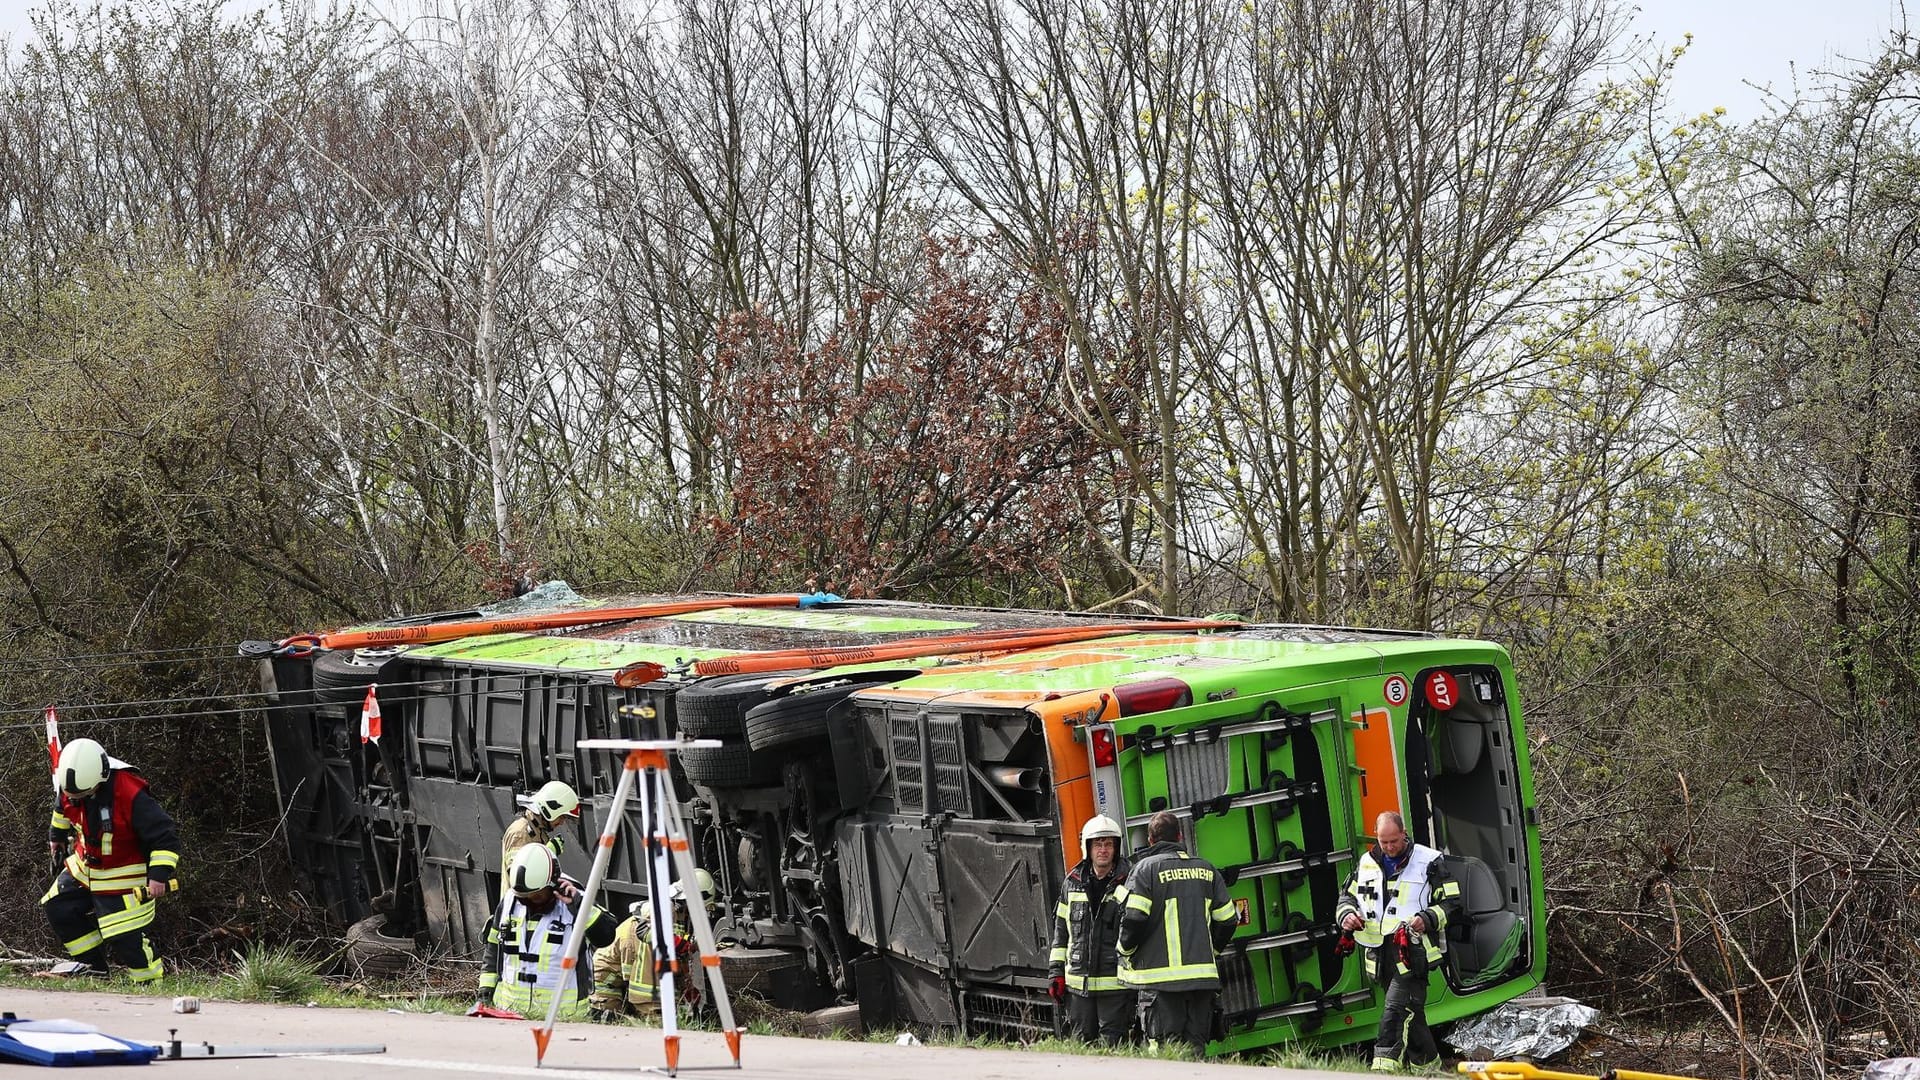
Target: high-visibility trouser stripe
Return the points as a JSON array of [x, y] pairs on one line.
[[150, 970], [84, 943], [1151, 976], [1172, 925], [489, 980], [149, 973], [136, 914], [1094, 984]]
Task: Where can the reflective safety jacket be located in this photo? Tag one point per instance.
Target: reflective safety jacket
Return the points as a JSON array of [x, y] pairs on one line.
[[1178, 915], [529, 828], [524, 968], [123, 837], [1086, 928], [625, 978], [1423, 886]]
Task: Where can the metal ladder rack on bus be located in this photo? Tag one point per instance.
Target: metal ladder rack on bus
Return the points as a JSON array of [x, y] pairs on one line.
[[666, 843]]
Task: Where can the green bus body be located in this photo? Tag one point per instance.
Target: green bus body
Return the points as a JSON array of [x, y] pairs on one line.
[[955, 787]]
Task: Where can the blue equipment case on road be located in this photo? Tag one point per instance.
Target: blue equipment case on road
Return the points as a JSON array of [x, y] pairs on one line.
[[109, 1049]]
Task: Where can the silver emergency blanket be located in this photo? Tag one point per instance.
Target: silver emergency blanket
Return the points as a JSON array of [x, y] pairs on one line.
[[1534, 1030], [1894, 1069]]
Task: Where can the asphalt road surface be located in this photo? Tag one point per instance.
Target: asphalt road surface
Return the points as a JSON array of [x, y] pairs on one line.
[[421, 1046]]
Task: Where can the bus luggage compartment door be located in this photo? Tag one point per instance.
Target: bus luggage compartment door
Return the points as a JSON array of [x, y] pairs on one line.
[[890, 888], [1000, 878]]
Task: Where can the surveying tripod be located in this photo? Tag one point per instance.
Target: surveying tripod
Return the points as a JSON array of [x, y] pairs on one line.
[[666, 845]]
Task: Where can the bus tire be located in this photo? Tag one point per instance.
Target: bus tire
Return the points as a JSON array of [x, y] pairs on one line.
[[729, 766], [717, 708], [373, 953], [799, 719], [342, 678]]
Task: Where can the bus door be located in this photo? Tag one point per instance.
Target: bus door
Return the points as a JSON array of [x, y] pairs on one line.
[[1465, 794]]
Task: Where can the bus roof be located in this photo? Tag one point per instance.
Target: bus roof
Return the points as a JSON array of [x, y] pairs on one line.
[[1201, 659]]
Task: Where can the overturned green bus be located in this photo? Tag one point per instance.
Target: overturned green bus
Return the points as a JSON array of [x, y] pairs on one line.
[[900, 787]]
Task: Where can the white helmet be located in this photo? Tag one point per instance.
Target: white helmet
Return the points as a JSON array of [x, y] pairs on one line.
[[556, 800], [707, 888], [532, 870], [83, 767], [1098, 827]]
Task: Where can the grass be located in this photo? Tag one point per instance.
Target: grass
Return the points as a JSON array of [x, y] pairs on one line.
[[270, 974], [276, 974]]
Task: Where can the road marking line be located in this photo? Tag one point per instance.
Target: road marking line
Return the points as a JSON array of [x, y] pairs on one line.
[[491, 1069]]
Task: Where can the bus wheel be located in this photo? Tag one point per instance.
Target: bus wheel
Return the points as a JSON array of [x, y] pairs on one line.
[[730, 766], [799, 718], [715, 708]]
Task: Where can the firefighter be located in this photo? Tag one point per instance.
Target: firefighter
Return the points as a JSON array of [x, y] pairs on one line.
[[1178, 917], [1083, 970], [524, 940], [540, 824], [624, 973], [1397, 904], [125, 856]]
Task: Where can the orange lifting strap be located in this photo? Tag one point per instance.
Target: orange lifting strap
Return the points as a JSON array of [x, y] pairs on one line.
[[988, 641]]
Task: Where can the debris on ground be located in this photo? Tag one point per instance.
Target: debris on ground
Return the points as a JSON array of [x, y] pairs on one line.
[[1533, 1029]]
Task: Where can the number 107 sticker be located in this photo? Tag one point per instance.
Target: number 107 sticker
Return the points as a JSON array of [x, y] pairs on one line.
[[1396, 690], [1442, 692]]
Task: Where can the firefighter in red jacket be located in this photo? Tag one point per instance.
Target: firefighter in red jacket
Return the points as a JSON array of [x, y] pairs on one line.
[[125, 855]]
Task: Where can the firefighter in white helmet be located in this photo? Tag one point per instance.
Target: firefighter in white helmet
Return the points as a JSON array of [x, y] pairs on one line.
[[1084, 967], [125, 855], [553, 804], [523, 972], [624, 976]]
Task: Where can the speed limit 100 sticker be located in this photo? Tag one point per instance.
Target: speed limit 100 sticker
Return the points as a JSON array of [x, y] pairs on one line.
[[1396, 690]]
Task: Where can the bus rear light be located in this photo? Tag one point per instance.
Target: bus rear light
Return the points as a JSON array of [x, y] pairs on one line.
[[1152, 695], [1104, 751]]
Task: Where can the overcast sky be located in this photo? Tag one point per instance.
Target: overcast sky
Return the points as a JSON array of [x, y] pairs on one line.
[[1765, 42], [1735, 42]]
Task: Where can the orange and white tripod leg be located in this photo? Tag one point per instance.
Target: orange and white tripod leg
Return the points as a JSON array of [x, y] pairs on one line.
[[570, 954], [653, 825], [703, 931]]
